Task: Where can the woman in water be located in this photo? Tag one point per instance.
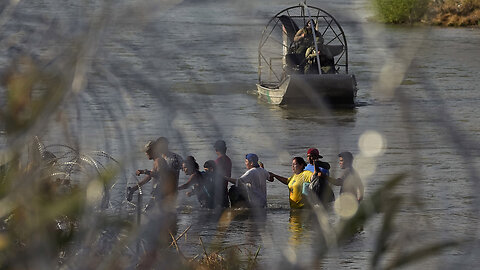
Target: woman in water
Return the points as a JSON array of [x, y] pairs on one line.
[[296, 182], [200, 184]]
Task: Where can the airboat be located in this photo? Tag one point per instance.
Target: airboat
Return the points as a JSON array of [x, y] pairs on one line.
[[286, 75]]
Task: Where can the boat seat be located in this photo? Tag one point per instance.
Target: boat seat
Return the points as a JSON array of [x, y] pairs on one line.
[[295, 62], [335, 49]]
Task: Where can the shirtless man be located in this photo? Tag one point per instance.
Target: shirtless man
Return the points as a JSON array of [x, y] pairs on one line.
[[163, 186], [223, 168]]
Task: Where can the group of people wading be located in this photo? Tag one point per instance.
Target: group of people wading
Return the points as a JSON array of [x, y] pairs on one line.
[[309, 184]]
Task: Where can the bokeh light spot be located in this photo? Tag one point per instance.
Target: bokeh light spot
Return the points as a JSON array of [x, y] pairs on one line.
[[94, 192], [365, 166], [346, 205], [372, 143]]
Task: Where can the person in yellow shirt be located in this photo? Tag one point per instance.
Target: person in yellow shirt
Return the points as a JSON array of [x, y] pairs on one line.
[[296, 182]]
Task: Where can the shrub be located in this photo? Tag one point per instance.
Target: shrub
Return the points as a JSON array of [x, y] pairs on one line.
[[400, 11]]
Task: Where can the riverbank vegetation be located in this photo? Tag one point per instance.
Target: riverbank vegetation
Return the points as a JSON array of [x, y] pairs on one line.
[[433, 12]]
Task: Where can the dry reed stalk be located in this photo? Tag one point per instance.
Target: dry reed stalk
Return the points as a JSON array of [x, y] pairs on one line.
[[177, 247], [180, 236]]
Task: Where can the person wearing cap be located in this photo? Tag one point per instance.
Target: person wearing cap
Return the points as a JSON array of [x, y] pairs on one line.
[[223, 168], [350, 181], [319, 187], [296, 182], [163, 184], [252, 184], [313, 155], [174, 160]]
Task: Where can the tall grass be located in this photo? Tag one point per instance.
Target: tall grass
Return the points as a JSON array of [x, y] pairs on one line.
[[443, 12], [400, 11]]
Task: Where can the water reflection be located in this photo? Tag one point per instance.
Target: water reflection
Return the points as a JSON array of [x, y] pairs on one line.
[[317, 115], [299, 226]]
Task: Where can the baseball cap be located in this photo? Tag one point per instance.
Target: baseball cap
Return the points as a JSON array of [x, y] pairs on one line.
[[314, 152], [252, 158]]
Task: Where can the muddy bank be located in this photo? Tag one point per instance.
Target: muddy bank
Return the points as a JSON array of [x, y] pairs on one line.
[[454, 13]]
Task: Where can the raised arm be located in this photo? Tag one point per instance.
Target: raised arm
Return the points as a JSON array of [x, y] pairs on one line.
[[280, 178], [299, 35], [231, 180]]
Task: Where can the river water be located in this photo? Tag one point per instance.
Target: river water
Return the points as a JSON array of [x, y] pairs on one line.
[[187, 71]]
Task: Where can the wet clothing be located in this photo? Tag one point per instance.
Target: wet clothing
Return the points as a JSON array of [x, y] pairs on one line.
[[205, 190], [295, 187], [238, 196], [223, 168], [202, 183], [254, 182]]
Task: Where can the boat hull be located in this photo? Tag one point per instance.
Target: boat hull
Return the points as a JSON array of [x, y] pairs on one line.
[[333, 89]]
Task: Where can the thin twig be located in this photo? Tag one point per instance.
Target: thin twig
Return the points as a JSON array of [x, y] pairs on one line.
[[256, 253], [181, 235], [254, 261], [176, 246], [201, 243]]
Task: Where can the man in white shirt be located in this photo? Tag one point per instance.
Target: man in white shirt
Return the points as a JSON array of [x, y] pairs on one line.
[[252, 182]]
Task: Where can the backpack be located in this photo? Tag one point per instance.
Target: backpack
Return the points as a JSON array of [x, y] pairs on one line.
[[204, 190], [321, 188]]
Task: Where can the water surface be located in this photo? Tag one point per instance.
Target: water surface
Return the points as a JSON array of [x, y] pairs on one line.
[[189, 71]]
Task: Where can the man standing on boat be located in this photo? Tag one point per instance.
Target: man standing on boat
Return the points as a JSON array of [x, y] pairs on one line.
[[223, 168]]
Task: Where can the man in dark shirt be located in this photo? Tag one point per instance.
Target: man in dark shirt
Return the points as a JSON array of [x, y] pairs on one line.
[[224, 168]]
